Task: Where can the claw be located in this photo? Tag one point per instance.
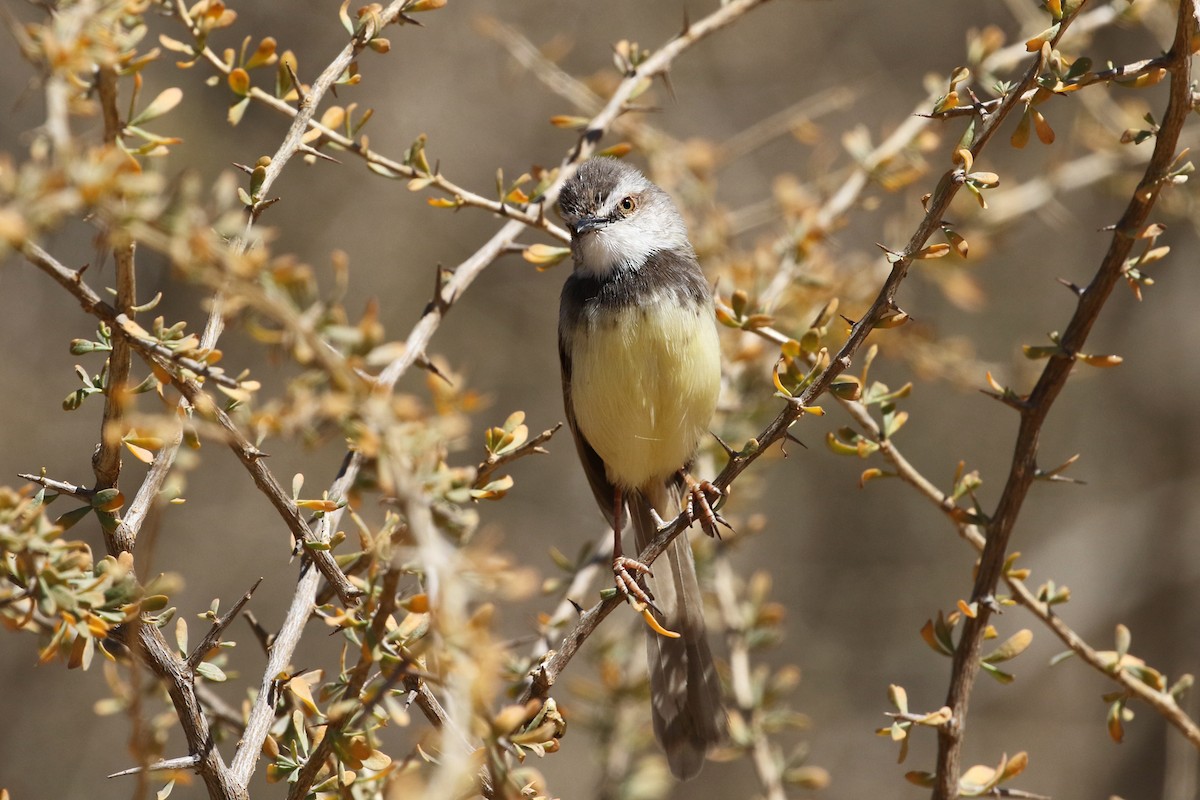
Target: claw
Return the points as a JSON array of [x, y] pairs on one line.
[[627, 584], [701, 497]]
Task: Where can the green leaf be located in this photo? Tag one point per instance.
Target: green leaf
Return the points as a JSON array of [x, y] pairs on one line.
[[167, 99], [1012, 647], [210, 671], [73, 516]]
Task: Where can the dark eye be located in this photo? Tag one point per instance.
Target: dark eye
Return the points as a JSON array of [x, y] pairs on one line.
[[628, 204]]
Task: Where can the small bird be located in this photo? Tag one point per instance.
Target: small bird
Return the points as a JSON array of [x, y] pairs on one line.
[[641, 372]]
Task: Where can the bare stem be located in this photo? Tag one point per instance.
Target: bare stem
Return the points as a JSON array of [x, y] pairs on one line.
[[106, 463]]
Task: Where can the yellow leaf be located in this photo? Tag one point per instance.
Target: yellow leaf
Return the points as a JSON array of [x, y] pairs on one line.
[[1020, 136], [263, 54], [568, 121], [544, 255], [140, 453], [869, 474], [299, 687], [978, 775], [619, 150], [317, 505], [1044, 132], [418, 603], [1101, 361], [166, 100], [239, 82], [934, 251]]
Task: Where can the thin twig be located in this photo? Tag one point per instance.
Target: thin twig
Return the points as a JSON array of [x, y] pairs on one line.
[[180, 763], [494, 462], [213, 637]]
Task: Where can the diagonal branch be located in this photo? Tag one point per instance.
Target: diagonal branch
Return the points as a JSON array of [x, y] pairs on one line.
[[1035, 409], [213, 637], [1161, 701]]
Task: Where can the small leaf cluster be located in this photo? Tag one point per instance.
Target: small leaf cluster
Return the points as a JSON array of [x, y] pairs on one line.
[[52, 587]]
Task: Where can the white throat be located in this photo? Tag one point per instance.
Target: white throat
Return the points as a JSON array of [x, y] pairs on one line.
[[620, 245]]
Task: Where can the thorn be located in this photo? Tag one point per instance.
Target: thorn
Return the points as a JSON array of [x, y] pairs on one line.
[[300, 93], [788, 435], [315, 153], [578, 608], [666, 79], [438, 303], [183, 762], [687, 22], [729, 451], [243, 168], [265, 637], [213, 637], [1078, 290], [1010, 399], [424, 362]]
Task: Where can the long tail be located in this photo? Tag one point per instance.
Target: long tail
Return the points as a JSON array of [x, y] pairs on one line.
[[685, 693]]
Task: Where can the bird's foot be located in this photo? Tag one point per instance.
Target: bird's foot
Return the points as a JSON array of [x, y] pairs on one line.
[[701, 497], [627, 584]]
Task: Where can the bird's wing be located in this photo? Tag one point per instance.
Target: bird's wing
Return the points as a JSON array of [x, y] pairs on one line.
[[593, 465]]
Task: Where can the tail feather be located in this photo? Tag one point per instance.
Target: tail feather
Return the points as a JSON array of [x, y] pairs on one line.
[[685, 693]]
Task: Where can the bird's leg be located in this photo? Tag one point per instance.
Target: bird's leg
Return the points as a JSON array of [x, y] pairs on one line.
[[701, 497], [626, 583]]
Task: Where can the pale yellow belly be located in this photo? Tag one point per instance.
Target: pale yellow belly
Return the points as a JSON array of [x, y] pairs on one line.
[[644, 389]]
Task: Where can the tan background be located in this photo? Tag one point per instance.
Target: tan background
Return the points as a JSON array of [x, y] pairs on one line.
[[859, 571]]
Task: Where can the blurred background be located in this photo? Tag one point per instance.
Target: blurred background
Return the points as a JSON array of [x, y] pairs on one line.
[[859, 571]]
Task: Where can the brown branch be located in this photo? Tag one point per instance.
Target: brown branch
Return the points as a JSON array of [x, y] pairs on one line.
[[1161, 701], [106, 462], [181, 686], [487, 468], [1034, 411], [1127, 72], [213, 637]]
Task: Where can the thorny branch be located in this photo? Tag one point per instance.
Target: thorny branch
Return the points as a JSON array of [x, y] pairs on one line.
[[1034, 409], [1161, 701]]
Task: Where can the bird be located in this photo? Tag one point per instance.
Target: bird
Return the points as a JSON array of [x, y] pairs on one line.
[[641, 375]]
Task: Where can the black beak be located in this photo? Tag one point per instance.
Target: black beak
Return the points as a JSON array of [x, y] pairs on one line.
[[586, 224]]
